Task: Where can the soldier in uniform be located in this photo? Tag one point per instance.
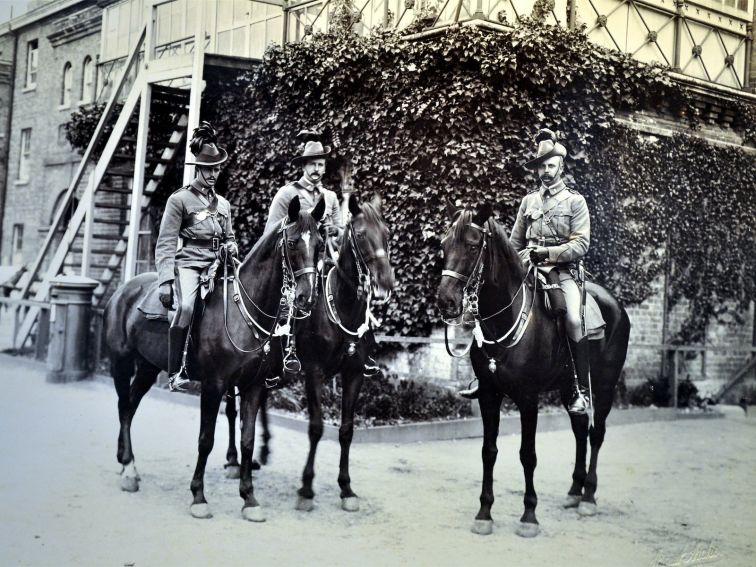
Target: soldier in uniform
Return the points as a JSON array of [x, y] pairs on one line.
[[201, 220], [552, 230], [309, 188]]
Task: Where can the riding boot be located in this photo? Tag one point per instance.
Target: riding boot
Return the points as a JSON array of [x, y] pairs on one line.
[[176, 371], [580, 357], [370, 368]]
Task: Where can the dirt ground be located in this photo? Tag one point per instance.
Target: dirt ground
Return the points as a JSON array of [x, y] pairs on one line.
[[670, 493]]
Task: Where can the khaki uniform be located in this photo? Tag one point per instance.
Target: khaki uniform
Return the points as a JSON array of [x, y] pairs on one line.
[[190, 215], [556, 218], [308, 198]]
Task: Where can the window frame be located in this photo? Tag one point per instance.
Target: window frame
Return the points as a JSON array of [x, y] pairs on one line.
[[24, 157], [32, 63], [88, 67], [66, 88]]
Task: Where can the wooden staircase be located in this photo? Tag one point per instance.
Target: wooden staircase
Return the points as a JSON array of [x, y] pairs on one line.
[[100, 239]]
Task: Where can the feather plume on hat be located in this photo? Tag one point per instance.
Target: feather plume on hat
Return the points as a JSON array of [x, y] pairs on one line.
[[204, 146]]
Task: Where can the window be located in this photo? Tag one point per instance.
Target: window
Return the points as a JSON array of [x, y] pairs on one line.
[[62, 131], [65, 91], [32, 60], [17, 243], [25, 158], [87, 80]]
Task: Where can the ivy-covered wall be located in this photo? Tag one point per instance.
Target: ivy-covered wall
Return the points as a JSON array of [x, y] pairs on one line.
[[450, 115]]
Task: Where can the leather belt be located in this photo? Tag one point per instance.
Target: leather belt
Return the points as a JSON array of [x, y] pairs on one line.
[[213, 243]]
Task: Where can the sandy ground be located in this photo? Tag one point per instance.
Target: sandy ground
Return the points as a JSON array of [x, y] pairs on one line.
[[672, 493]]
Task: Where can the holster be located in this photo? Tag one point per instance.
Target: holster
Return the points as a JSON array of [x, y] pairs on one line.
[[556, 295]]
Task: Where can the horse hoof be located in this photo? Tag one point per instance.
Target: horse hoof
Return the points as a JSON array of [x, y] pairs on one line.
[[253, 514], [255, 465], [572, 501], [129, 484], [526, 529], [305, 504], [233, 471], [587, 508], [350, 504], [201, 511], [482, 527]]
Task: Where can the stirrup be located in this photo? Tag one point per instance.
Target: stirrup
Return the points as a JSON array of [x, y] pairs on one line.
[[370, 368], [178, 382], [272, 382], [291, 364], [471, 392], [579, 404]]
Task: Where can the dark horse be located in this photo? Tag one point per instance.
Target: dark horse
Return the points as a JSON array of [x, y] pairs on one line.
[[536, 363], [332, 340], [228, 348]]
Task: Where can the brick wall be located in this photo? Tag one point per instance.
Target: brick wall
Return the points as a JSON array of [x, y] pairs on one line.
[[61, 38]]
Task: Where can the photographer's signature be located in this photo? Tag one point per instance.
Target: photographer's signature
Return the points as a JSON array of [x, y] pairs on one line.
[[698, 554]]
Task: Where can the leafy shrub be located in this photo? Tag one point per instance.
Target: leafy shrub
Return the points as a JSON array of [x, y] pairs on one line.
[[383, 400]]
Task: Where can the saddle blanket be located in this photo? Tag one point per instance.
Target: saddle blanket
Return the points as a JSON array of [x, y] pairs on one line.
[[151, 307], [594, 321]]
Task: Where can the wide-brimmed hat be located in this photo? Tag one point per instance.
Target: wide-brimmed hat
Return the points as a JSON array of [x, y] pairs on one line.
[[312, 150], [548, 147], [210, 154]]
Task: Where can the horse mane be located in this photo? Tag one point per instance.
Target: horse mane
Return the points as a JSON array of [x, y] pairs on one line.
[[372, 214]]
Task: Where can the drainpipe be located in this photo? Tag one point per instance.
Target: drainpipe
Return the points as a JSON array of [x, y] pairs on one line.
[[8, 130]]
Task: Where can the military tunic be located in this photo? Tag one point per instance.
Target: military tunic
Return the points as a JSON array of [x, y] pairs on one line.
[[556, 218], [308, 198], [189, 215]]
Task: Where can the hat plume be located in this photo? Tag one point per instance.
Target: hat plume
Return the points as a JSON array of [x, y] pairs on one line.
[[203, 134]]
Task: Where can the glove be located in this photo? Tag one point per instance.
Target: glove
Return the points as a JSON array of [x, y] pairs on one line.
[[331, 230], [538, 255], [232, 248], [166, 295]]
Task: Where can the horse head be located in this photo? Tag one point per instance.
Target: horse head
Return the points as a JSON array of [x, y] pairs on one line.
[[464, 249], [370, 241], [301, 243]]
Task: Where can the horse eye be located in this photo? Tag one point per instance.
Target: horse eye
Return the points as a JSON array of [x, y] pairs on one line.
[[291, 244], [360, 235]]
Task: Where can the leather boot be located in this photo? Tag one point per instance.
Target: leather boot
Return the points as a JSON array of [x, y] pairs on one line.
[[176, 340], [580, 357]]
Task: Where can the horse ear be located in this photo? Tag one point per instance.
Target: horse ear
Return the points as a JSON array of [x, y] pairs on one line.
[[319, 210], [484, 213], [452, 209], [294, 207], [376, 201], [354, 205]]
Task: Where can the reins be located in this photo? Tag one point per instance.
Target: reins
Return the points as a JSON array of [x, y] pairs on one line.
[[470, 299]]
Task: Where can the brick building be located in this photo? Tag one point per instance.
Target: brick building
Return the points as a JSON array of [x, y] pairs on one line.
[[69, 52], [57, 47]]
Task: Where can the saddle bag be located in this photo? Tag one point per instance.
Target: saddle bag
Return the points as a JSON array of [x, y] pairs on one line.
[[556, 303]]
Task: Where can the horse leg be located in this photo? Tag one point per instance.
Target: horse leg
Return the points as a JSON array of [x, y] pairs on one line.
[[587, 506], [250, 403], [580, 431], [490, 406], [315, 432], [232, 459], [351, 385], [528, 421], [210, 400], [129, 397], [263, 411]]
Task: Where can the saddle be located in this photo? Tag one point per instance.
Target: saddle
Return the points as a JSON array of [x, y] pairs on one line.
[[151, 307], [555, 305]]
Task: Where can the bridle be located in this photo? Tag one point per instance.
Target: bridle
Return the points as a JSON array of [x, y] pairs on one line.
[[470, 307], [285, 303], [364, 286]]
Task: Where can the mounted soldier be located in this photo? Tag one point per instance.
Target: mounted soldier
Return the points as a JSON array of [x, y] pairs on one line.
[[552, 231], [195, 228], [309, 188]]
